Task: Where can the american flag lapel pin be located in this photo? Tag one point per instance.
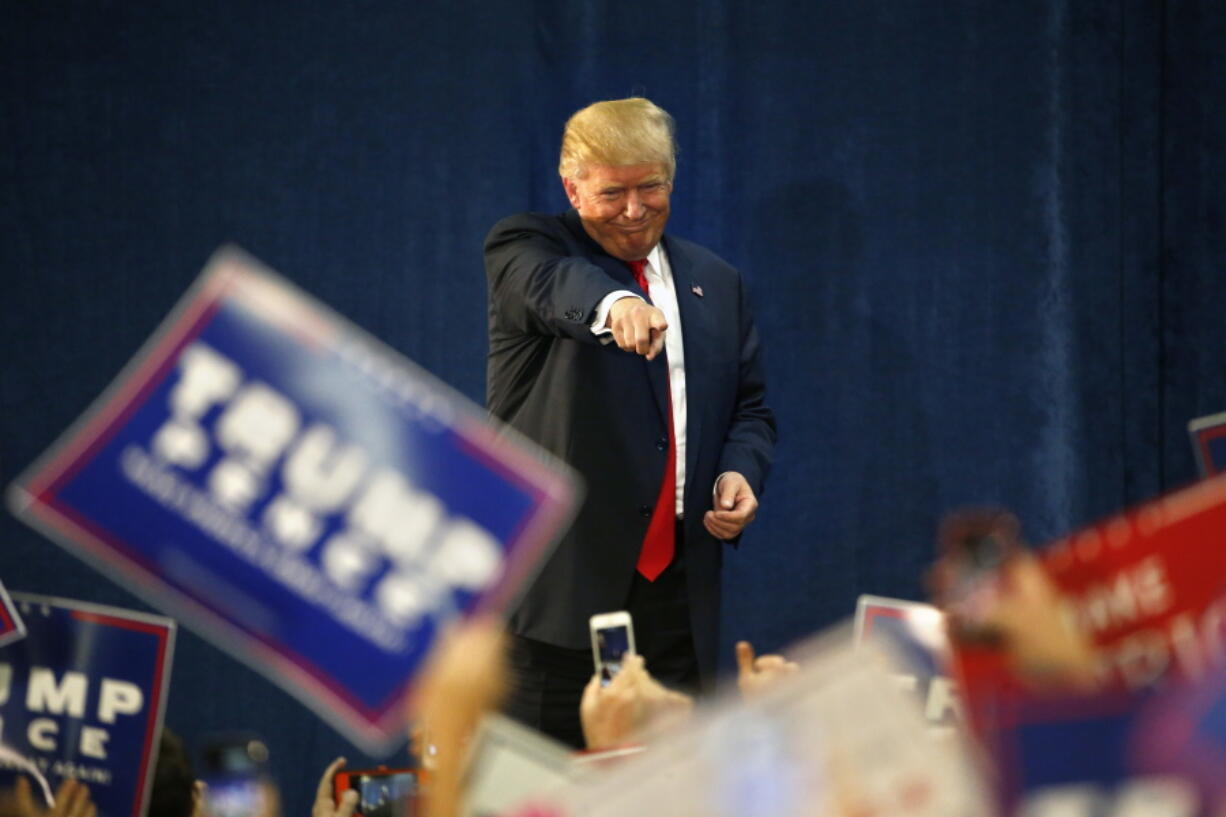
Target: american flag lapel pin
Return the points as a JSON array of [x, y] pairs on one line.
[[697, 290]]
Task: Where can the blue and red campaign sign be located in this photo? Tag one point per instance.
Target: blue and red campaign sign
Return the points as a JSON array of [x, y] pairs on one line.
[[82, 696], [11, 625], [1147, 589], [302, 494], [915, 636], [1209, 443]]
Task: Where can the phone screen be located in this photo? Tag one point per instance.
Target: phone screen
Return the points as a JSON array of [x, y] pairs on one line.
[[235, 797], [237, 757], [612, 643], [976, 586], [235, 774], [385, 795]]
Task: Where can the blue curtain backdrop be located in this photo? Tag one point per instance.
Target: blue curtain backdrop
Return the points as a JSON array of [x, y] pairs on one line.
[[983, 240]]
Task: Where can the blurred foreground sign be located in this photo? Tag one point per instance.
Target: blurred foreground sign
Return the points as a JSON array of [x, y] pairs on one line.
[[915, 634], [836, 738], [11, 625], [1148, 587], [82, 696], [1209, 443], [1148, 590], [309, 499]]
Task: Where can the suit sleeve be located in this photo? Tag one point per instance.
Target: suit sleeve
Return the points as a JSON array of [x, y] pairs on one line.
[[536, 287], [749, 446]]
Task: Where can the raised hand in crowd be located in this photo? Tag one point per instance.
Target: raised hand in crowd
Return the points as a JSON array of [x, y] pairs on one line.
[[997, 596], [1043, 645], [325, 805], [71, 800], [757, 674], [466, 677], [632, 702]]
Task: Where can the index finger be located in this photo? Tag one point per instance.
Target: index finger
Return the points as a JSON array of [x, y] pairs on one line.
[[657, 343], [325, 782]]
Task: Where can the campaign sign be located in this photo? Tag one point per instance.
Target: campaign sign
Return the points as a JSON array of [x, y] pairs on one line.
[[1081, 756], [1209, 443], [1158, 751], [82, 696], [11, 625], [509, 762], [915, 634], [1147, 587], [303, 495]]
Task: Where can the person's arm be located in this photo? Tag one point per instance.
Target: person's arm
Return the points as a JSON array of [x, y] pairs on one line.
[[749, 445], [465, 677], [537, 288]]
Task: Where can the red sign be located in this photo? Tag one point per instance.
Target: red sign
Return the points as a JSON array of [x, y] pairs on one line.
[[1147, 586]]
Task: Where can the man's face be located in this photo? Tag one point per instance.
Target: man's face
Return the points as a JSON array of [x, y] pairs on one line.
[[624, 209]]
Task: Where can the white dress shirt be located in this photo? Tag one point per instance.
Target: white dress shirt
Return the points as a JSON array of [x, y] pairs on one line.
[[664, 297]]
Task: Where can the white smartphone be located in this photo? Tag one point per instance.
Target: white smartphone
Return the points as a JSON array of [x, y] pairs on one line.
[[612, 639]]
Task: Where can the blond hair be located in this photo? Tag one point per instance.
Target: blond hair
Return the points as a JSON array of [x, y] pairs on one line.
[[617, 132]]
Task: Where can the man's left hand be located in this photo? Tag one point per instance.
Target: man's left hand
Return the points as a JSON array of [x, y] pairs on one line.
[[735, 507]]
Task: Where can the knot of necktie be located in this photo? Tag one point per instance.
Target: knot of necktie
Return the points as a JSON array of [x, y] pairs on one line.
[[639, 268]]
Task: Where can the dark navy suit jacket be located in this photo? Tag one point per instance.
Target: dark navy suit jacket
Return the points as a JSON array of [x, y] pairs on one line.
[[604, 411]]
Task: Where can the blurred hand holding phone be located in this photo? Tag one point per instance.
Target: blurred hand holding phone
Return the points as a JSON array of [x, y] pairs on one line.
[[968, 579], [999, 599], [382, 792], [612, 639], [235, 773]]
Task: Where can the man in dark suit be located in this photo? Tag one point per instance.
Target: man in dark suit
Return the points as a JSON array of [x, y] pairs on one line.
[[632, 355]]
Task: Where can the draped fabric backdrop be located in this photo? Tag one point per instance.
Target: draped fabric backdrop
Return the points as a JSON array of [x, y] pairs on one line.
[[983, 240]]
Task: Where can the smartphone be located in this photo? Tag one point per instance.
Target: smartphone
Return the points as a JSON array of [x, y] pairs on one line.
[[235, 770], [239, 754], [382, 792], [976, 545], [612, 640]]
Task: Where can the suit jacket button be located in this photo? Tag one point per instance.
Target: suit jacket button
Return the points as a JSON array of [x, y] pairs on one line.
[[645, 511], [661, 444]]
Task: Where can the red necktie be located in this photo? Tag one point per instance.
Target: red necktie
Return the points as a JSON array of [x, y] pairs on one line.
[[660, 540]]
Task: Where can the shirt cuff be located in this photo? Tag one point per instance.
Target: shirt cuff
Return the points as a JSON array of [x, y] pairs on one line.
[[602, 313]]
